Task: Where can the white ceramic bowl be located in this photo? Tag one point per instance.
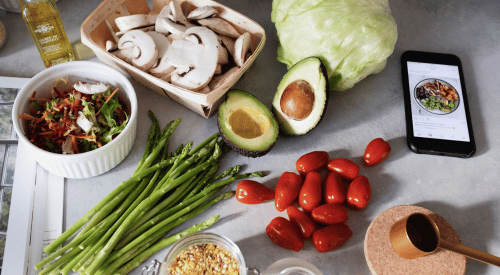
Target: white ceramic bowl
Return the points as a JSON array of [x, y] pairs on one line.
[[83, 165]]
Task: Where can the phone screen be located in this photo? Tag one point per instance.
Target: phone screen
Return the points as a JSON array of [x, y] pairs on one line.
[[436, 98]]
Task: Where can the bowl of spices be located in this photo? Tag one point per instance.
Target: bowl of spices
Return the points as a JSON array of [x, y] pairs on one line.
[[204, 253], [77, 119]]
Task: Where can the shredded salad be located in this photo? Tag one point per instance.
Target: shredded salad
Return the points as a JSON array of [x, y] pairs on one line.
[[76, 120]]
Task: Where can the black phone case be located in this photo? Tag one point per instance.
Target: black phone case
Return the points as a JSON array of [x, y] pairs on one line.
[[435, 146]]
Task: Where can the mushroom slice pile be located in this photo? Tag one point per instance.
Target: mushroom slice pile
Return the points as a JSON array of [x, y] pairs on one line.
[[143, 52], [188, 51], [200, 57], [171, 20]]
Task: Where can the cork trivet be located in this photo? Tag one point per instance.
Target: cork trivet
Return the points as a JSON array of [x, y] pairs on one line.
[[382, 259]]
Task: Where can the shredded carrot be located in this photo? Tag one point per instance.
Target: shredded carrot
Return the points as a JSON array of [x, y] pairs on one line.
[[59, 93], [39, 99], [107, 100], [82, 136], [48, 133], [27, 117]]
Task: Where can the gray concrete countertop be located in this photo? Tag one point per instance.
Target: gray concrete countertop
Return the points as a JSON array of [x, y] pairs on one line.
[[465, 192]]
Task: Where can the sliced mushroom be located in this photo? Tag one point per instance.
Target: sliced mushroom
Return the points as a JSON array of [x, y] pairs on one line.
[[125, 23], [170, 71], [202, 13], [201, 58], [178, 14], [144, 50], [223, 54], [125, 54], [162, 67], [204, 90], [241, 47], [90, 88], [184, 52], [165, 25], [83, 122], [144, 29], [220, 79], [218, 69], [220, 26], [67, 146], [111, 46], [228, 43]]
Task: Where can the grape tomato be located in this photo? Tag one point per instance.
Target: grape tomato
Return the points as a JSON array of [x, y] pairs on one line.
[[287, 190], [376, 152], [312, 162], [310, 195], [347, 169]]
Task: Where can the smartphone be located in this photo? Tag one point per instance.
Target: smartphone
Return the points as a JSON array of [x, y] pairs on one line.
[[437, 113]]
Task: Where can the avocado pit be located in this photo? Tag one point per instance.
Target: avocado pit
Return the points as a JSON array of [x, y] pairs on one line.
[[297, 100], [301, 98]]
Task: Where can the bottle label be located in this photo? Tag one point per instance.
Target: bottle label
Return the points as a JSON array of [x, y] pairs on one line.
[[48, 37], [44, 28]]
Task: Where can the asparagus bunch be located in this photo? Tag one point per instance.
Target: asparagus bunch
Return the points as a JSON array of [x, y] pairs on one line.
[[130, 223]]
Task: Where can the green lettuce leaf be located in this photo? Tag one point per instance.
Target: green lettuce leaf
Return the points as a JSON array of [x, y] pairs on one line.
[[353, 38], [108, 136]]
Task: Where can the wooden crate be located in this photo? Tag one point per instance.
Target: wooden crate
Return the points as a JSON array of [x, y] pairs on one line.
[[100, 27]]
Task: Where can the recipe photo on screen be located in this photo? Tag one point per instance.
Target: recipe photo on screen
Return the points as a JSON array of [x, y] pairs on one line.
[[436, 102]]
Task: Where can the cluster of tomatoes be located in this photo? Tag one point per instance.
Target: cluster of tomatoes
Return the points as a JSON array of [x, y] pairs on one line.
[[323, 203]]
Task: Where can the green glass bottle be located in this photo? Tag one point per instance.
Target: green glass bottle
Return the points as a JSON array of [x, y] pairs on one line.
[[45, 26]]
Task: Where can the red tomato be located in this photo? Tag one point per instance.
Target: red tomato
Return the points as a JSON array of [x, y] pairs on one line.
[[287, 190], [329, 214], [376, 151], [252, 192], [285, 234], [359, 193], [311, 194], [310, 162], [331, 237], [302, 220], [334, 189], [347, 169]]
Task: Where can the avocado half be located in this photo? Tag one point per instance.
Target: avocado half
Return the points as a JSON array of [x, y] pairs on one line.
[[246, 124], [302, 96]]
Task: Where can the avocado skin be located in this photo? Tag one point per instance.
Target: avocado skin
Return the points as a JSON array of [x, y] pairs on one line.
[[235, 147], [327, 90], [327, 98]]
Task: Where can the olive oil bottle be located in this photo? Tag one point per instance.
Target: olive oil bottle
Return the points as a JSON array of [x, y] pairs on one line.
[[45, 26]]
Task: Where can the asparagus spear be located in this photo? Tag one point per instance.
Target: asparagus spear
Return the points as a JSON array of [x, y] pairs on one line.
[[95, 248], [133, 249], [164, 243]]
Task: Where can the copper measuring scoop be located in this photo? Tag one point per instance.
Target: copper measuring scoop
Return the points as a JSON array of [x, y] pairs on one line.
[[418, 235]]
